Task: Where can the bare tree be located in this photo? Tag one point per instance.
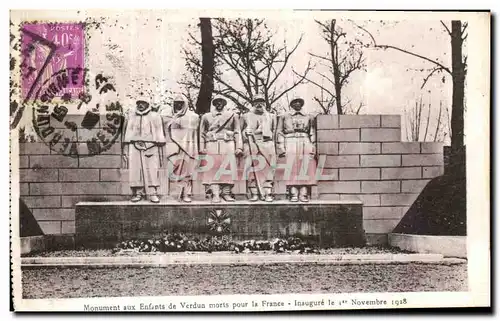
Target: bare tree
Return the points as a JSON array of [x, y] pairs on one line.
[[247, 61], [207, 68], [418, 123], [458, 71], [344, 57]]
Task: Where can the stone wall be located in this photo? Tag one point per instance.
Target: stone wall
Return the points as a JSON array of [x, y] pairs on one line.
[[364, 156], [369, 162]]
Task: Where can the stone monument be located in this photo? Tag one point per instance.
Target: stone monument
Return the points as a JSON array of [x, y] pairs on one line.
[[227, 149]]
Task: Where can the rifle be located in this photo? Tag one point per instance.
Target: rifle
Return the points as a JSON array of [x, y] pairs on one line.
[[259, 187]]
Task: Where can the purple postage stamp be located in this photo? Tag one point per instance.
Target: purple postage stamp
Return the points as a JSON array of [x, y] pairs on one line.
[[48, 48]]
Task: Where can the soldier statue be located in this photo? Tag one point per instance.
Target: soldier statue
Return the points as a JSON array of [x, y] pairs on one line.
[[144, 137], [182, 129], [221, 142], [296, 138], [258, 128]]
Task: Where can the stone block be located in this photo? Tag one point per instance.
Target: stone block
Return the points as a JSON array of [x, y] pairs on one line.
[[338, 135], [413, 186], [382, 212], [342, 161], [53, 214], [431, 148], [393, 121], [376, 239], [78, 175], [50, 227], [432, 171], [327, 223], [77, 119], [327, 122], [53, 161], [379, 226], [38, 175], [401, 173], [380, 134], [68, 227], [356, 174], [33, 244], [114, 149], [327, 174], [381, 187], [69, 201], [24, 189], [46, 188], [101, 161], [330, 197], [33, 149], [359, 148], [401, 148], [24, 162], [450, 246], [339, 187], [359, 121], [367, 199], [422, 160], [110, 188], [328, 148], [42, 201], [91, 188], [113, 174], [380, 160], [402, 199]]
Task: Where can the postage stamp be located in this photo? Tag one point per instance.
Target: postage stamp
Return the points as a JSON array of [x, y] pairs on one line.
[[238, 161], [48, 48]]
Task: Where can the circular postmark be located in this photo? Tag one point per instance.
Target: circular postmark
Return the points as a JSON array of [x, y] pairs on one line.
[[78, 123]]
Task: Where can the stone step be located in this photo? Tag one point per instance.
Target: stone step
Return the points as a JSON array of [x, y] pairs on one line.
[[226, 258]]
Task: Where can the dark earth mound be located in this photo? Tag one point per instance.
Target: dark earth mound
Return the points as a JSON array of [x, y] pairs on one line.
[[28, 223], [440, 209]]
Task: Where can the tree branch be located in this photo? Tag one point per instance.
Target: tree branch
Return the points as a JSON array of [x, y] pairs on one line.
[[437, 69], [415, 55], [445, 27], [308, 68], [404, 51]]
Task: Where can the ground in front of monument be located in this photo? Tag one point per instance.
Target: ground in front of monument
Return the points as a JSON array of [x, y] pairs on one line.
[[57, 282]]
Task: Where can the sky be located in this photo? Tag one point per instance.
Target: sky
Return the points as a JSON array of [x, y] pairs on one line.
[[142, 53]]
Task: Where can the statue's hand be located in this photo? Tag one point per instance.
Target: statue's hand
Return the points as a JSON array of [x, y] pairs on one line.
[[313, 151], [281, 154], [238, 152]]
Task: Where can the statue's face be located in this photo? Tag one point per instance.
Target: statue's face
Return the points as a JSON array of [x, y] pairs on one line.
[[141, 106], [178, 105], [219, 104], [259, 106], [296, 105]]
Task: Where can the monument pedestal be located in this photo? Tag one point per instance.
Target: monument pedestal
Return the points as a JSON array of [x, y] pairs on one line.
[[327, 223]]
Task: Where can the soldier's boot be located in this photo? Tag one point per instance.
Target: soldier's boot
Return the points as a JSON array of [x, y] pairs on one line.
[[153, 196], [303, 194], [215, 193], [226, 193], [294, 194], [268, 192], [254, 194], [137, 194]]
